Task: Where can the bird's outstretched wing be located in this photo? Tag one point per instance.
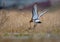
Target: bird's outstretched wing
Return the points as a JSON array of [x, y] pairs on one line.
[[43, 12]]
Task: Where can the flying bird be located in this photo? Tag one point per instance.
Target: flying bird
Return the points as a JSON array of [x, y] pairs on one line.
[[35, 16]]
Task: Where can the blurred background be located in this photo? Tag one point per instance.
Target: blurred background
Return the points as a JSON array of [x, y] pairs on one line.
[[20, 4], [16, 14]]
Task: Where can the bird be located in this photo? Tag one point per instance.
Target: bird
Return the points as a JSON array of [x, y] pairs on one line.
[[35, 17], [35, 14]]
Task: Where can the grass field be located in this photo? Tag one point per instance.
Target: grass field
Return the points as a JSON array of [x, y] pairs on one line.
[[15, 21]]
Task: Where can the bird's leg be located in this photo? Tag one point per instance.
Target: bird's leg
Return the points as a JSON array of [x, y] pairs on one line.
[[31, 20], [35, 24]]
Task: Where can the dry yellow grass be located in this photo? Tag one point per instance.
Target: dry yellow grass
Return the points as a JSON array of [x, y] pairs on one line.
[[15, 21]]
